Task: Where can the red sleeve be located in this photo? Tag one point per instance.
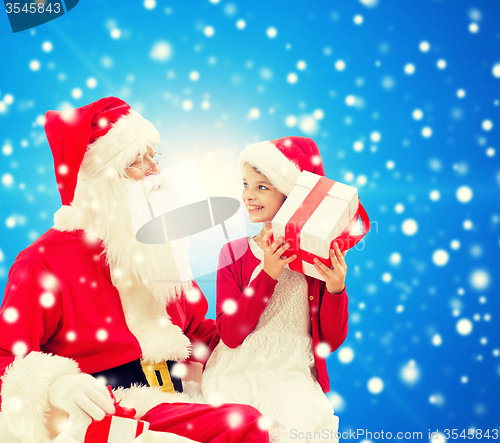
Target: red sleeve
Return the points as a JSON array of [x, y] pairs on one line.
[[30, 314], [333, 317], [199, 329], [238, 309]]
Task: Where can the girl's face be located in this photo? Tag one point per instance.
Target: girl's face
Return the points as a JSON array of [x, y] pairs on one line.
[[261, 198]]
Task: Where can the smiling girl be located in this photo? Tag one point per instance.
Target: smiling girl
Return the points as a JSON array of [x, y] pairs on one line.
[[276, 325]]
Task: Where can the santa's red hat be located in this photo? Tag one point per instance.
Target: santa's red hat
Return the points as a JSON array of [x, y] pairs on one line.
[[108, 125], [282, 160]]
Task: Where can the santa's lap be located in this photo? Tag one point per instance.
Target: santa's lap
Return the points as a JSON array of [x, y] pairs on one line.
[[227, 423]]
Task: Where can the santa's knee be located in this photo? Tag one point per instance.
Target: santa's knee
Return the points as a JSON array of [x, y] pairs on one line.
[[252, 415], [247, 419]]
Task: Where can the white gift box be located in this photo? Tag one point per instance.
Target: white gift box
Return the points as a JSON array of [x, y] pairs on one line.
[[112, 429], [325, 223], [181, 217]]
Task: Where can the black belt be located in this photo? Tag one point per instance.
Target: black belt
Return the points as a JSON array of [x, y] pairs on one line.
[[133, 372]]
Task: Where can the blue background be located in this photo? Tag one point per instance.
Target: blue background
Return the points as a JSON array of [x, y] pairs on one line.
[[409, 318]]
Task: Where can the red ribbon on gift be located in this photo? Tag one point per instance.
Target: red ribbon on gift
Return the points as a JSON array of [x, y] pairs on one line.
[[346, 240], [121, 411], [98, 431]]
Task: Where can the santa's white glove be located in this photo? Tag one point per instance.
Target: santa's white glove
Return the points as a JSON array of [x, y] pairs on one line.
[[81, 396]]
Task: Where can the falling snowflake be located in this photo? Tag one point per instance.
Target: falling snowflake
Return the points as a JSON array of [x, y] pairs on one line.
[[375, 385], [229, 307]]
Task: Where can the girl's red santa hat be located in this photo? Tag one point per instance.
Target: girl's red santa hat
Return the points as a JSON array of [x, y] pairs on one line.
[[111, 132], [282, 160]]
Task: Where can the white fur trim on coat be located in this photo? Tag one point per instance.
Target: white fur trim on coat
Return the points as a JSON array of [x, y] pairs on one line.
[[144, 398], [25, 393], [271, 162], [158, 337], [193, 389]]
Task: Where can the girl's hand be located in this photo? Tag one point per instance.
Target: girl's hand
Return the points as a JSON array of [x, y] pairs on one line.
[[334, 276], [273, 263]]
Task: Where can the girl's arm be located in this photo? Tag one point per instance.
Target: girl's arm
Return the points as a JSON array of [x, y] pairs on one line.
[[333, 311], [333, 317], [239, 307]]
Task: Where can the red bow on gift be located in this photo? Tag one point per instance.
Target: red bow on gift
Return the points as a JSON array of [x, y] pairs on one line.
[[121, 411], [99, 431], [121, 427]]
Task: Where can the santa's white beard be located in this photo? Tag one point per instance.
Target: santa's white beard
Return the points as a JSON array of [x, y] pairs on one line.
[[103, 209]]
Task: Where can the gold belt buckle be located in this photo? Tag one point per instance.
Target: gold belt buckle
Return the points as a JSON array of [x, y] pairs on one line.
[[152, 378]]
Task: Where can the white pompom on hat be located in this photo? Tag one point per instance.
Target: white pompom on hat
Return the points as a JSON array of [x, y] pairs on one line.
[[282, 160]]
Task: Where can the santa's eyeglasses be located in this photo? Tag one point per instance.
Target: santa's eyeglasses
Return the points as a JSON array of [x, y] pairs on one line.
[[157, 159]]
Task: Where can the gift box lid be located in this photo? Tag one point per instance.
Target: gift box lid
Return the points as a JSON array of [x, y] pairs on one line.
[[339, 190], [327, 221]]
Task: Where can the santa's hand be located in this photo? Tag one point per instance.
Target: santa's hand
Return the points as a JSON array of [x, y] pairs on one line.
[[81, 396]]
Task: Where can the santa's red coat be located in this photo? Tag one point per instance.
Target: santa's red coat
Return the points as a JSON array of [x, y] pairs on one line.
[[59, 300], [60, 294]]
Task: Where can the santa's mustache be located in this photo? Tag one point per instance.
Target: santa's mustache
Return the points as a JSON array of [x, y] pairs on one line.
[[154, 182]]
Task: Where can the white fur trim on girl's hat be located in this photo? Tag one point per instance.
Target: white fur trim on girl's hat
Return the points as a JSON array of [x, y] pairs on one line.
[[267, 159], [282, 160]]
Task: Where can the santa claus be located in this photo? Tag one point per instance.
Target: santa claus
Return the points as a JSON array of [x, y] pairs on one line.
[[87, 302]]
